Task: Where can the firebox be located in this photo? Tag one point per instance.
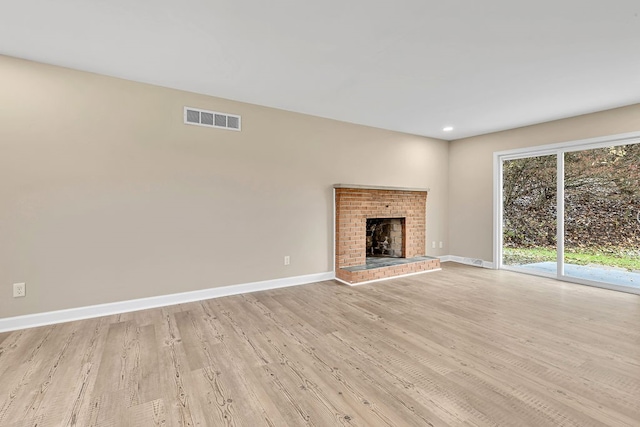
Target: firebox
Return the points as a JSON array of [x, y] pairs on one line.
[[385, 237]]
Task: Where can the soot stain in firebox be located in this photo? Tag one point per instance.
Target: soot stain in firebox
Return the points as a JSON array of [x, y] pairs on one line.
[[384, 237]]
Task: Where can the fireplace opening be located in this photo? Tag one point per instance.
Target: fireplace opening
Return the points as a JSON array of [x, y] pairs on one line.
[[385, 237]]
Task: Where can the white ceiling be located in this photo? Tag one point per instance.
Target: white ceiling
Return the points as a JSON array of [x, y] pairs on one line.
[[412, 66]]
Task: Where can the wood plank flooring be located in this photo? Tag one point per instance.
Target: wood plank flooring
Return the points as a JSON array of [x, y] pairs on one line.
[[464, 346]]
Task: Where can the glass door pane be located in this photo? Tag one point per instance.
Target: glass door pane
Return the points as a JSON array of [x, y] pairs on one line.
[[529, 189], [602, 215]]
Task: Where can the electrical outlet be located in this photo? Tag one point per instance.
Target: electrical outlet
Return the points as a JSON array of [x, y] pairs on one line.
[[287, 260], [19, 290], [440, 245], [433, 244]]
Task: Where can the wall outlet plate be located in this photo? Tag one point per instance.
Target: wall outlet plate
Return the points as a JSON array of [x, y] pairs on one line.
[[287, 260], [19, 290]]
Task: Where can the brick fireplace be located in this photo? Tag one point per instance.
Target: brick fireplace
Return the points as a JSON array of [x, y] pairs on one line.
[[380, 233]]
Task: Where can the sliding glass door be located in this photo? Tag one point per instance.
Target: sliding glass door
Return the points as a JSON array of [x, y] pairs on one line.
[[572, 213], [529, 214], [602, 215]]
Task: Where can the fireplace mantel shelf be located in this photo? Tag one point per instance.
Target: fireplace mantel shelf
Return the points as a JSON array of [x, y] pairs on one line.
[[379, 187]]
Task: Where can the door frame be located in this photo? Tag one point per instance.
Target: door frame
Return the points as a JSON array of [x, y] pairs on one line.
[[558, 149]]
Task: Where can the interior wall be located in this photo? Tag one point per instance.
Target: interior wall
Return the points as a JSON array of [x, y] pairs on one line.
[[471, 170], [105, 195]]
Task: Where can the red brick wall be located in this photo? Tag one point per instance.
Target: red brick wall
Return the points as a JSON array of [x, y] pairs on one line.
[[354, 206]]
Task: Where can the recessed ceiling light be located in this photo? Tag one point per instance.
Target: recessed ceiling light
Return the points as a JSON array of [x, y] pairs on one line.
[[448, 129]]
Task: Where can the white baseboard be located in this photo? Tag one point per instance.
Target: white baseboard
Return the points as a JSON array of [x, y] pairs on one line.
[[386, 278], [469, 261], [68, 315]]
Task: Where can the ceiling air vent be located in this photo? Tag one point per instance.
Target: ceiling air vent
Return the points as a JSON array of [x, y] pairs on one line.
[[198, 117]]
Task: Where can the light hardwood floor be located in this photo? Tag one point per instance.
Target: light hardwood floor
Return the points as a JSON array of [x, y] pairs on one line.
[[464, 346]]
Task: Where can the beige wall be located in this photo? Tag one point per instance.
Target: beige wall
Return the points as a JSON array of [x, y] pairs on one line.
[[471, 171], [105, 195]]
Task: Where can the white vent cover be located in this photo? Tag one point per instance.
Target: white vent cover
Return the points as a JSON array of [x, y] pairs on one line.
[[474, 261], [198, 117]]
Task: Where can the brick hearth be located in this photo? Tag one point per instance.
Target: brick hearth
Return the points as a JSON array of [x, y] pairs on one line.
[[354, 205]]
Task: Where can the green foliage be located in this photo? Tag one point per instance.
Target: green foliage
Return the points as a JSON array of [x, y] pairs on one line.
[[610, 257], [602, 199]]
